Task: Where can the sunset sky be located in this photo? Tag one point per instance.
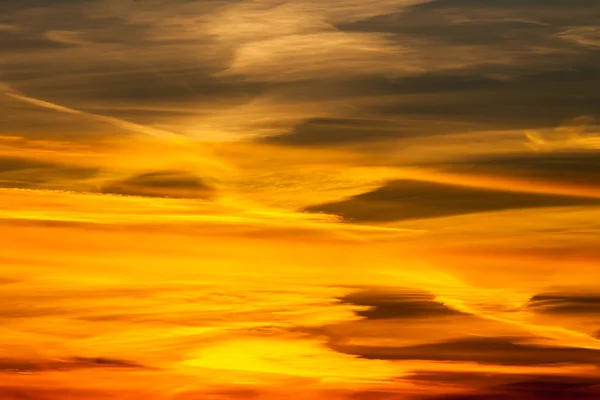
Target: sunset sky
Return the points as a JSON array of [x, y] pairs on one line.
[[299, 199]]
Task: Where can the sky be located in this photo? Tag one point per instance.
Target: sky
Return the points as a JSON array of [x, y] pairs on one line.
[[299, 199]]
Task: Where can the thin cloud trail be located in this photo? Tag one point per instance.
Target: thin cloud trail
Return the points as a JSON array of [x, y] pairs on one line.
[[72, 38], [500, 183], [506, 307], [148, 131]]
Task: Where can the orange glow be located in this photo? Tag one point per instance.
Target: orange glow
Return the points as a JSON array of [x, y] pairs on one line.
[[305, 200]]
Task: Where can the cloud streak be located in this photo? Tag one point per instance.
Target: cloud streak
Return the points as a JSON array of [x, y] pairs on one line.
[[357, 200]]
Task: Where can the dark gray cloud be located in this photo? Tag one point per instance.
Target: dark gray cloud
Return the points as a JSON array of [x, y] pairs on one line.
[[449, 102], [407, 199], [528, 75], [520, 105], [523, 70], [575, 304], [11, 164], [15, 41], [385, 305], [494, 21], [529, 387], [504, 351], [497, 26], [18, 172], [493, 386], [331, 131], [20, 119], [162, 184], [24, 365], [377, 395], [554, 8], [569, 167]]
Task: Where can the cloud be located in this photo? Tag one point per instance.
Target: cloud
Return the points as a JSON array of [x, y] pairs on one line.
[[75, 363], [573, 170], [300, 57], [138, 128], [358, 45], [173, 184], [204, 79], [504, 351], [16, 172], [224, 393], [406, 199], [397, 304], [524, 387], [587, 36], [332, 131], [569, 304], [48, 393], [349, 199]]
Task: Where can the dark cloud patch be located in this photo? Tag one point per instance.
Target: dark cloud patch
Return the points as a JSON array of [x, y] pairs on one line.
[[521, 103], [75, 363], [20, 119], [110, 76], [507, 16], [512, 39], [395, 120], [505, 385], [427, 82], [554, 5], [18, 172], [449, 102], [11, 391], [236, 394], [14, 41], [28, 4], [574, 387], [329, 131], [97, 56], [125, 64], [175, 184], [169, 86], [100, 362], [386, 305], [455, 20], [220, 394], [578, 304], [569, 167], [377, 395], [530, 387], [407, 199], [12, 311], [504, 351], [448, 28], [529, 68], [32, 17], [11, 164], [113, 81], [468, 379]]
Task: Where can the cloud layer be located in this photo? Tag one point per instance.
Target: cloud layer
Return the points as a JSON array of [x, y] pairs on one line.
[[272, 199]]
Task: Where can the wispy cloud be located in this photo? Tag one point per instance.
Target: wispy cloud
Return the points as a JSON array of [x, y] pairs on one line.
[[341, 200]]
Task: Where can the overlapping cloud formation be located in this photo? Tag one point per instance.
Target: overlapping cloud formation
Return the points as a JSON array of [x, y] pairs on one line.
[[273, 199]]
